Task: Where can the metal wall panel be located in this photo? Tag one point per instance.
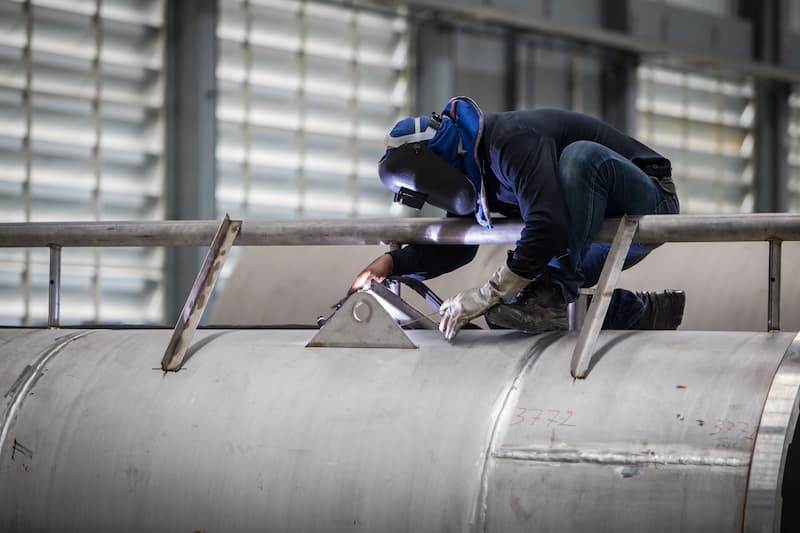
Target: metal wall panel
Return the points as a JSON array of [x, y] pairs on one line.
[[573, 12], [791, 48], [557, 74], [717, 7], [480, 68], [691, 29]]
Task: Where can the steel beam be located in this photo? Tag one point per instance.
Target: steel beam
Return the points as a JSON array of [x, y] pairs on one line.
[[200, 294], [615, 40], [191, 134], [584, 347]]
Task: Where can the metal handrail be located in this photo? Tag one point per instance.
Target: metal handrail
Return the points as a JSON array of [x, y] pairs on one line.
[[652, 229], [771, 227]]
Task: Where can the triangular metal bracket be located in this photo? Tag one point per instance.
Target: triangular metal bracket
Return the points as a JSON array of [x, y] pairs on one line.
[[361, 322]]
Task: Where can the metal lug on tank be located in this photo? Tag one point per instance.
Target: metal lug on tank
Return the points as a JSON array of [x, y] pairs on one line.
[[361, 322]]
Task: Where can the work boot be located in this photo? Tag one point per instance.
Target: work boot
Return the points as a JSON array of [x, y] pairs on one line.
[[662, 309], [536, 309]]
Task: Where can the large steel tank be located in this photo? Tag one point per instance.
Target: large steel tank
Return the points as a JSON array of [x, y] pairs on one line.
[[672, 431]]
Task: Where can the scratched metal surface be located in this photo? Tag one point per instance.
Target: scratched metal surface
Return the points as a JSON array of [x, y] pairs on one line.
[[659, 438], [490, 433], [20, 348], [258, 433]]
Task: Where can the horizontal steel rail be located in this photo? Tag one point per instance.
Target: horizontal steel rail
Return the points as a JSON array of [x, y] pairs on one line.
[[652, 229]]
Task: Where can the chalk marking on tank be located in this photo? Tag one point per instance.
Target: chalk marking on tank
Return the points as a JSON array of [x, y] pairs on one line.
[[34, 372], [501, 415]]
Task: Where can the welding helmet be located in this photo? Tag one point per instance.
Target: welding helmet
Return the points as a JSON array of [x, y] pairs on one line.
[[416, 174], [434, 159]]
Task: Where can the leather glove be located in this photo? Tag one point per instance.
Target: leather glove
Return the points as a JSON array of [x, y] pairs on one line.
[[465, 306]]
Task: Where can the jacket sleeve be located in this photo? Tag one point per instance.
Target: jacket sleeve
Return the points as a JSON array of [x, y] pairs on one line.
[[533, 169], [426, 261]]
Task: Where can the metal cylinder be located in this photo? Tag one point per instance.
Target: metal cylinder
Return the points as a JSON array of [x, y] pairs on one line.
[[672, 431]]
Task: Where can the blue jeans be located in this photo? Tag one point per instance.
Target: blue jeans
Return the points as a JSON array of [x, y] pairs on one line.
[[598, 183]]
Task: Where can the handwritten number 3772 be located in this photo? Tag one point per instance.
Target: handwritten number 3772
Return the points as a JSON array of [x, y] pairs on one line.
[[550, 417]]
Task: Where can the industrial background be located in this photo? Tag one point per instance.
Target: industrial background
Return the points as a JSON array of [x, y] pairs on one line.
[[285, 416], [276, 109]]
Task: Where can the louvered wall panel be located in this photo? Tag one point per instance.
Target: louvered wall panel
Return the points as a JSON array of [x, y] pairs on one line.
[[704, 125], [307, 92], [793, 142], [82, 138]]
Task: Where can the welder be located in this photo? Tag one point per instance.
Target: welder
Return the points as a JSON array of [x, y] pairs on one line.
[[562, 173]]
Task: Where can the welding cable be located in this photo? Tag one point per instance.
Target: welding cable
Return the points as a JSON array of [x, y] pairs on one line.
[[420, 288]]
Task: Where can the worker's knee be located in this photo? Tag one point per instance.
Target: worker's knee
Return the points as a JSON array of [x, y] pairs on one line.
[[579, 160]]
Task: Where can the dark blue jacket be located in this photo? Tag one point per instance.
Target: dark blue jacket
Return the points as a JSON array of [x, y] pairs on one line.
[[520, 152]]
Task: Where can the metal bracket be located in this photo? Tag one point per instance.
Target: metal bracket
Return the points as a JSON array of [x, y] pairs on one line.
[[199, 295], [361, 322], [54, 291], [584, 348], [576, 311], [774, 287], [408, 312]]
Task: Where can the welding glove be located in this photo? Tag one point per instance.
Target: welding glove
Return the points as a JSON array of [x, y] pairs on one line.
[[465, 306]]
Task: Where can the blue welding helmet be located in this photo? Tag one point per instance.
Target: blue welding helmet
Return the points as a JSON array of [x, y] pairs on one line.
[[416, 174]]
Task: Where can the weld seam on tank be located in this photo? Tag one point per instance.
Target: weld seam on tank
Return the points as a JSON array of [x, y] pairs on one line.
[[619, 458], [22, 386], [762, 509], [501, 413]]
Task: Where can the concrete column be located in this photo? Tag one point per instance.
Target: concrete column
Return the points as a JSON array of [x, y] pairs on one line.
[[435, 66], [770, 152], [191, 135], [619, 71]]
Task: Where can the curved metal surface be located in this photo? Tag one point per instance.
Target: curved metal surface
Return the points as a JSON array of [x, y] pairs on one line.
[[775, 431], [658, 439], [25, 381], [23, 355], [259, 433]]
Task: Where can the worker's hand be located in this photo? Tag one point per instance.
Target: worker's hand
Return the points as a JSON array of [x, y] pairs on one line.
[[378, 270], [465, 306], [462, 308]]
